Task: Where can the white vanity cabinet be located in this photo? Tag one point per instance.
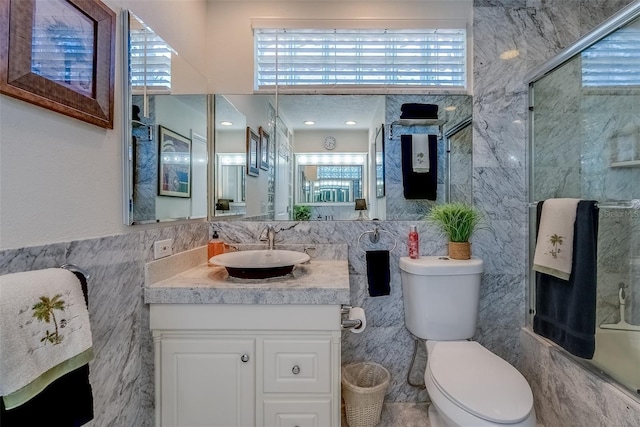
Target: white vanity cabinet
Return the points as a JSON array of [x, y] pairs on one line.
[[247, 365]]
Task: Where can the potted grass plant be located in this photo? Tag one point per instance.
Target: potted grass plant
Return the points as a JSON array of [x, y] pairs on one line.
[[301, 213], [458, 222]]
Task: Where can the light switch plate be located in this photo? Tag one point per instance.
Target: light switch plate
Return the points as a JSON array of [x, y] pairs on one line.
[[162, 248]]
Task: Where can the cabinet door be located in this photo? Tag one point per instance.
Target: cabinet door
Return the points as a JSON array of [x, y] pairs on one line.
[[297, 412], [208, 382]]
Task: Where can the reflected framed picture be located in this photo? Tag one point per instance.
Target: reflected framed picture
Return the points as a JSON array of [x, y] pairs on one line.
[[59, 55], [264, 148], [174, 164], [253, 148]]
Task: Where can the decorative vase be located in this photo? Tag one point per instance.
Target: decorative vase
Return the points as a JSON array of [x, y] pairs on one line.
[[460, 250]]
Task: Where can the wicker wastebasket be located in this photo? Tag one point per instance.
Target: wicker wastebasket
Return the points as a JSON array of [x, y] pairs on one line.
[[364, 385]]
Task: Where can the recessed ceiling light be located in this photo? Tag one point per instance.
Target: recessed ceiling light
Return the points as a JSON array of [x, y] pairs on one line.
[[509, 54], [350, 122], [309, 122], [226, 123]]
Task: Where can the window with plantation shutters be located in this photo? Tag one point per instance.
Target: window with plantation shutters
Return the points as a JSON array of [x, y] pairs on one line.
[[385, 57], [150, 62], [614, 60]]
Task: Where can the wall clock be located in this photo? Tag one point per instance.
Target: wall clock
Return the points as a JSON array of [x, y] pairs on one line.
[[330, 143]]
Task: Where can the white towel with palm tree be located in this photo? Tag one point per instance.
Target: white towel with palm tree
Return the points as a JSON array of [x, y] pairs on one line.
[[44, 331], [554, 246], [420, 153]]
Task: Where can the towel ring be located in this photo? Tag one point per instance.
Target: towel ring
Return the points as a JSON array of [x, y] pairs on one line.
[[375, 238]]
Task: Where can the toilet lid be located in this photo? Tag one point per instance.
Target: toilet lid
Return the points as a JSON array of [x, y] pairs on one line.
[[480, 382]]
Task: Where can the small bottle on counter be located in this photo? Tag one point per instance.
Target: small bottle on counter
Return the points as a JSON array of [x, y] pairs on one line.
[[215, 246], [414, 243]]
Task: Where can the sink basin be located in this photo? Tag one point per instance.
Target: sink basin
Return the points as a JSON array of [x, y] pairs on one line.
[[260, 264]]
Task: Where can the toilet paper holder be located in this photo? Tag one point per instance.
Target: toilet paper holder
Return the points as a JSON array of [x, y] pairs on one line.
[[349, 323]]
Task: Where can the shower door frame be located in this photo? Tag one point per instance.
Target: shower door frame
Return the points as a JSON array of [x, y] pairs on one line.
[[615, 22]]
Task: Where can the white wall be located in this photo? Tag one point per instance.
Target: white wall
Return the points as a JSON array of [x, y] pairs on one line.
[[355, 141]]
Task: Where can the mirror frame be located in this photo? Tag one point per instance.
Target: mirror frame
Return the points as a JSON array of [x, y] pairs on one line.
[[380, 189], [127, 154]]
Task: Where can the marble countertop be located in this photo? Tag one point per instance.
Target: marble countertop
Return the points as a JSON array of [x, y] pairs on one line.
[[316, 282]]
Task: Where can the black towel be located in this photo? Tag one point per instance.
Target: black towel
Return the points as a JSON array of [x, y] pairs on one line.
[[566, 310], [419, 111], [378, 275], [419, 185], [66, 402]]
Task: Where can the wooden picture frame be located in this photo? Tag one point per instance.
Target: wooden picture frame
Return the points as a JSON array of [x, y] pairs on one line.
[[174, 164], [37, 64], [253, 150], [264, 148]]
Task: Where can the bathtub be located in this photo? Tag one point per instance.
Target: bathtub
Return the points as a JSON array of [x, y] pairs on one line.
[[618, 354]]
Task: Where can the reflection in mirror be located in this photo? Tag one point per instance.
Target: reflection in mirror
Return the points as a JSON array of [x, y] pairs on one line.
[[230, 164], [251, 193], [157, 96], [330, 178], [341, 125], [230, 197], [453, 111]]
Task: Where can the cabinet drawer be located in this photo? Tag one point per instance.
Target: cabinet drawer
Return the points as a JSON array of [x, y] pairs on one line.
[[297, 365], [297, 413]]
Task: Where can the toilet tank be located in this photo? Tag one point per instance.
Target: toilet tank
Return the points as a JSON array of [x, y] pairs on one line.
[[441, 296]]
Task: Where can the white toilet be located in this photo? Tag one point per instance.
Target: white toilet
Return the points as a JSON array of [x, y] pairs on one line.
[[468, 385]]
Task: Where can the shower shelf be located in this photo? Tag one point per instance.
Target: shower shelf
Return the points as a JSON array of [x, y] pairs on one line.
[[416, 122], [626, 164]]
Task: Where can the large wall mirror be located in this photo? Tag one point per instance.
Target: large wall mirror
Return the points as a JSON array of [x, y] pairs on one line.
[[164, 130], [189, 154]]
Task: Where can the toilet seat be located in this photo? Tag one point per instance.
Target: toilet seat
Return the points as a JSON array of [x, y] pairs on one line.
[[480, 382]]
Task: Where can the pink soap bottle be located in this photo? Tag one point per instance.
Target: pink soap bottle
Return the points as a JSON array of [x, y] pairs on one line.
[[414, 243]]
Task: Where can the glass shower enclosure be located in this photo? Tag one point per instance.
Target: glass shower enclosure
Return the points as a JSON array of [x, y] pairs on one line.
[[584, 142]]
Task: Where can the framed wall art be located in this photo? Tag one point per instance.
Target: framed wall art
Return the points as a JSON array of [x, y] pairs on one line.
[[174, 168], [253, 149], [264, 148], [59, 54]]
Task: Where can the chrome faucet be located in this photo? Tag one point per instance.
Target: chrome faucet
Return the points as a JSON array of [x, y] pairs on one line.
[[271, 235]]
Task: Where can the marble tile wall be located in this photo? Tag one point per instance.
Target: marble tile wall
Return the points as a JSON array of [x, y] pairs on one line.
[[566, 394], [122, 371]]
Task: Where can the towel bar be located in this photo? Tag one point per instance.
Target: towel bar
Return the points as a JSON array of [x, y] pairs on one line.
[[620, 204]]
